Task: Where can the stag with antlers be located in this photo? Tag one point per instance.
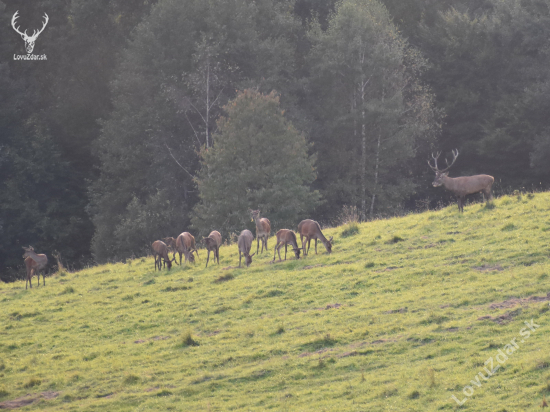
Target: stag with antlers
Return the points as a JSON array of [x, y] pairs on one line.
[[461, 186]]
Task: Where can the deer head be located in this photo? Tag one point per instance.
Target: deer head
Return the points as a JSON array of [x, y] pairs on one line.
[[328, 245], [248, 259], [441, 174], [29, 40]]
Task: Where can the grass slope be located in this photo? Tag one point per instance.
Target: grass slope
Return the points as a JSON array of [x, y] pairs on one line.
[[403, 315]]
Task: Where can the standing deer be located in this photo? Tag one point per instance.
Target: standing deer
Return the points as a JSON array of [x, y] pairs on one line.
[[160, 251], [34, 263], [310, 229], [285, 237], [213, 243], [461, 186], [263, 229], [171, 243], [245, 244], [185, 243]]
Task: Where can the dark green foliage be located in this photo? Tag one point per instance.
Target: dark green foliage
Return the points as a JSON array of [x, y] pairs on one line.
[[99, 145], [260, 161], [131, 379], [325, 342], [224, 278], [188, 340], [414, 395], [183, 63], [372, 114], [32, 382]]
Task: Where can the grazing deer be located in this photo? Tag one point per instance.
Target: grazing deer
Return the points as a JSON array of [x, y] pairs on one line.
[[461, 186], [285, 237], [263, 229], [160, 251], [34, 263], [185, 244], [310, 229], [171, 243], [245, 244], [213, 243]]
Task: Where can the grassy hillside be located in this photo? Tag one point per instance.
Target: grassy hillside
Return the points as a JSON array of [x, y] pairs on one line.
[[401, 316]]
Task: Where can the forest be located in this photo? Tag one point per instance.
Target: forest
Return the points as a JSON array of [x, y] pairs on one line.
[[147, 118]]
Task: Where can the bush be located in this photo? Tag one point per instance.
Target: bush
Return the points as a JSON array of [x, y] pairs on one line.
[[350, 229]]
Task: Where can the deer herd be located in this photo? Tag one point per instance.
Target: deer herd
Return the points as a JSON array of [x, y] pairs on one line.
[[185, 243], [308, 229]]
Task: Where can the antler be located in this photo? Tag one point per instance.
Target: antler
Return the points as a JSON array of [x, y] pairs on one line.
[[13, 19], [436, 169], [35, 33]]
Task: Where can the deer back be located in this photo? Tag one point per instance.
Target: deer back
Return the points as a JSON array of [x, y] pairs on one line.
[[216, 236], [287, 236], [465, 185], [245, 241], [160, 248], [38, 261], [185, 241]]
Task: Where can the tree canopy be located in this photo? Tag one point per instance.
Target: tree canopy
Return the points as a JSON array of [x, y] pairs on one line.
[[259, 161], [102, 145]]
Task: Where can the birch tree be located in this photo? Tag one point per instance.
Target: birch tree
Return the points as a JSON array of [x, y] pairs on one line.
[[373, 112]]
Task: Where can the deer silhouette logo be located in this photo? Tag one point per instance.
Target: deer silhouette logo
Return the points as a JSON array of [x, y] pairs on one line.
[[29, 40]]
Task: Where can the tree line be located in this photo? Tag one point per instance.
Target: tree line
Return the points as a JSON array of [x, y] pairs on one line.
[[153, 116]]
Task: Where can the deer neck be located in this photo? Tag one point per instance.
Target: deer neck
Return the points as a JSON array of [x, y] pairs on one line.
[[258, 223], [39, 259]]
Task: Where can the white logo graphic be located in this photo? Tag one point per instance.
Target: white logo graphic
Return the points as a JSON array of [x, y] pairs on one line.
[[29, 40]]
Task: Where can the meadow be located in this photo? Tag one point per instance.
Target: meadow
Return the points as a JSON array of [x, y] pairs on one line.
[[403, 315]]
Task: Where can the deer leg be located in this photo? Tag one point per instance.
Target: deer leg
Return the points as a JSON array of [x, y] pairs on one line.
[[266, 242], [257, 243], [207, 258], [315, 245], [218, 254], [239, 258], [286, 245]]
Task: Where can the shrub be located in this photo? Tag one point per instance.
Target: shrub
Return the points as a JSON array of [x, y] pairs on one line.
[[32, 382], [350, 229], [396, 239], [224, 278], [131, 379], [188, 341]]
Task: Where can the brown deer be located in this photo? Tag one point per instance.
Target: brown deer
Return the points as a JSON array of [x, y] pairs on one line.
[[171, 243], [461, 186], [213, 243], [285, 237], [160, 251], [263, 229], [310, 229], [185, 244], [34, 263], [245, 244]]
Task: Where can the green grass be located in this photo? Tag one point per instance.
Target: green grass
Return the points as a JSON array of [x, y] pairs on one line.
[[401, 316]]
